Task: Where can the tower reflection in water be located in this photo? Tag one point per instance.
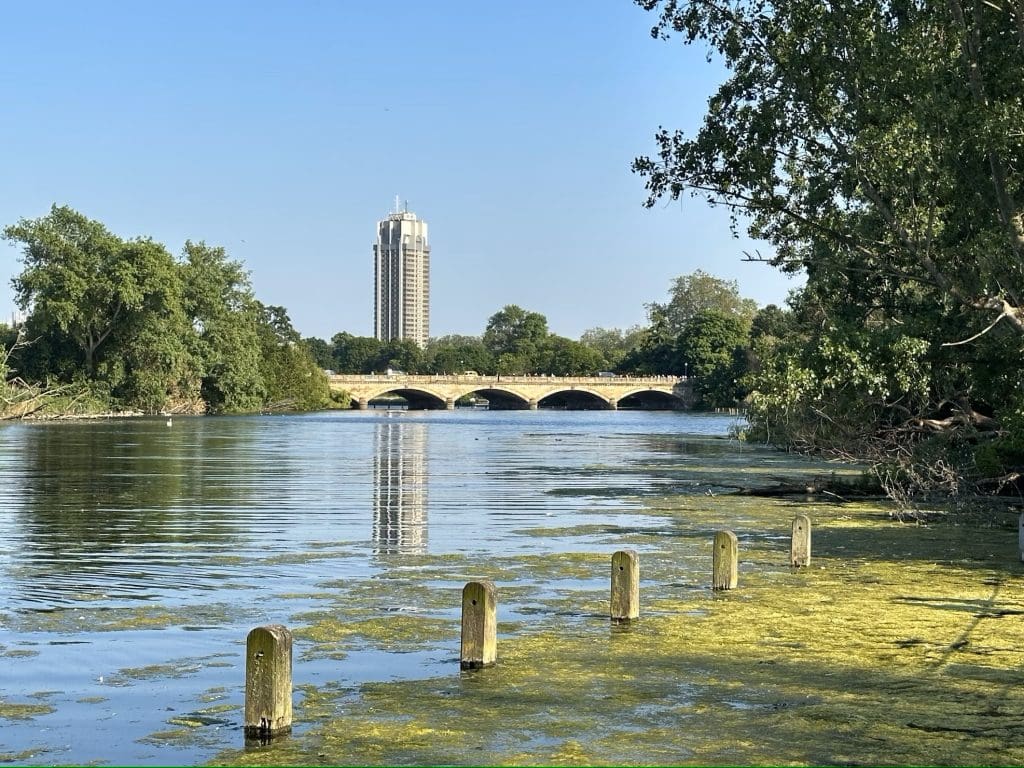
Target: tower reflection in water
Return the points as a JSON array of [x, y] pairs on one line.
[[400, 488]]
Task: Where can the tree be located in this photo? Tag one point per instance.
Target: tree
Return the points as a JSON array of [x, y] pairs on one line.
[[355, 354], [147, 361], [877, 147], [82, 280], [654, 352], [711, 346], [17, 398], [613, 344], [320, 350], [130, 327], [873, 141], [104, 309], [291, 377], [400, 355], [772, 321], [9, 338], [276, 318], [516, 334], [700, 292], [225, 317], [560, 356], [455, 354]]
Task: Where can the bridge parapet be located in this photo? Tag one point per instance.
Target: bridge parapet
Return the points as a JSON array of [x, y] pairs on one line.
[[441, 378]]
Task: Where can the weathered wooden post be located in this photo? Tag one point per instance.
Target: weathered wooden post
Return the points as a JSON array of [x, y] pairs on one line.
[[800, 548], [1020, 536], [479, 625], [725, 561], [268, 681], [625, 586]]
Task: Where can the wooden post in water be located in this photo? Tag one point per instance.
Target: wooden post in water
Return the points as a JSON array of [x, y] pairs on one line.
[[625, 586], [725, 561], [479, 625], [800, 549], [268, 681]]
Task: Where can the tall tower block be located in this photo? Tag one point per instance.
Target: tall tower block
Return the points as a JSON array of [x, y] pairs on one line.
[[401, 269]]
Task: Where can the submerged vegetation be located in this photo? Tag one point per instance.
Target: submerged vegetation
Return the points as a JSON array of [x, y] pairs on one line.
[[899, 644]]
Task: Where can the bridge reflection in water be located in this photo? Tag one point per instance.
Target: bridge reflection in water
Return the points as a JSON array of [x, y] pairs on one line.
[[400, 488], [515, 392]]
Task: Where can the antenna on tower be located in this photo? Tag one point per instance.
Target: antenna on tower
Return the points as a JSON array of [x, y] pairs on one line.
[[397, 208], [406, 206]]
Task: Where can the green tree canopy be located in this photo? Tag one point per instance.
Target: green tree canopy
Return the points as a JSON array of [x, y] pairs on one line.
[[291, 377], [400, 355], [116, 302], [710, 347], [82, 280], [514, 332], [225, 317], [877, 147], [700, 292], [559, 356], [455, 354], [321, 352], [355, 354], [874, 144], [613, 344], [131, 327]]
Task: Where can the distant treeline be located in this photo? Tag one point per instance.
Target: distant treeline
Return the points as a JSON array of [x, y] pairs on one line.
[[706, 329], [121, 324]]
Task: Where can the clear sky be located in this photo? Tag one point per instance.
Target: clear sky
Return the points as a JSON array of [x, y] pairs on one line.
[[283, 131]]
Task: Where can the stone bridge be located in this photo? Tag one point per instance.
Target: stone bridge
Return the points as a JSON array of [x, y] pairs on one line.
[[520, 392]]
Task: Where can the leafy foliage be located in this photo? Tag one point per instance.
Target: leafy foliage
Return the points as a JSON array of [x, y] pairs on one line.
[[702, 331], [514, 337], [133, 328], [613, 344], [291, 376], [225, 339], [877, 147], [700, 292], [455, 354], [711, 344]]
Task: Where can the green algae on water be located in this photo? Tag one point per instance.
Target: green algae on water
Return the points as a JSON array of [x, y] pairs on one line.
[[17, 653], [108, 619], [23, 756], [399, 632], [899, 644], [177, 668], [14, 711]]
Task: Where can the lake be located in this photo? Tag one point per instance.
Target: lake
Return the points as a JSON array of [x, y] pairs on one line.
[[135, 557]]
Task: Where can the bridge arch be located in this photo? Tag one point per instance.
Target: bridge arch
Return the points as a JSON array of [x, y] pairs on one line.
[[575, 398], [650, 398], [500, 398], [418, 398]]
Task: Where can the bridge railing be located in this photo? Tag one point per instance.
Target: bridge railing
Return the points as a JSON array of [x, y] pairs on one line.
[[382, 378]]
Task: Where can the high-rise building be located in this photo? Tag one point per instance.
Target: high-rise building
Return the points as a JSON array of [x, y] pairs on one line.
[[401, 270]]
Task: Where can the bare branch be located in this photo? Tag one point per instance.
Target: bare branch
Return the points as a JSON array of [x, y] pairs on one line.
[[992, 325]]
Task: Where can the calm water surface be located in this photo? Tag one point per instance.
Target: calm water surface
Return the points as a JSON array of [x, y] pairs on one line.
[[135, 557]]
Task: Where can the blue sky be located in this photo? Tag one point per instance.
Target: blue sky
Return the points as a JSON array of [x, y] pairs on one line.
[[283, 132]]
